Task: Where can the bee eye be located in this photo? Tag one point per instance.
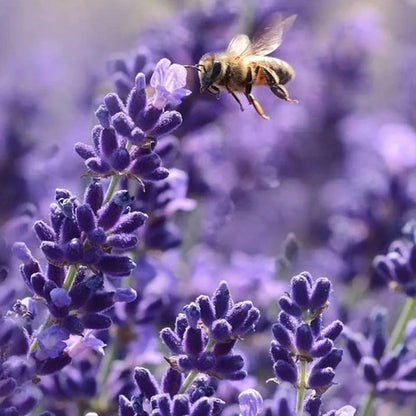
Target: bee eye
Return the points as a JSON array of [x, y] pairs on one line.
[[216, 70]]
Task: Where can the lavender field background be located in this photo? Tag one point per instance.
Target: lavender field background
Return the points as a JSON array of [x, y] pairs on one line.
[[127, 201]]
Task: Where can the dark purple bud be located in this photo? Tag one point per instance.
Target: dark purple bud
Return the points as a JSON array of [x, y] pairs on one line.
[[99, 302], [279, 353], [157, 175], [354, 349], [237, 375], [282, 336], [205, 362], [308, 277], [316, 326], [289, 307], [110, 213], [320, 293], [122, 124], [223, 348], [97, 165], [370, 370], [193, 341], [52, 251], [56, 216], [69, 230], [113, 103], [137, 136], [202, 407], [136, 101], [92, 256], [85, 218], [168, 122], [192, 313], [304, 339], [85, 151], [146, 382], [253, 317], [226, 364], [321, 379], [300, 289], [96, 321], [389, 365], [171, 340], [148, 117], [73, 324], [49, 286], [161, 402], [108, 142], [126, 295], [221, 300], [120, 159], [60, 297], [74, 251], [114, 265], [185, 363], [333, 330], [181, 324], [207, 310], [171, 381], [238, 314], [103, 116], [79, 295], [287, 321], [145, 164], [95, 135], [285, 371], [313, 404], [221, 330], [322, 348], [330, 360], [383, 267], [379, 346], [130, 222], [122, 241], [52, 365], [37, 281], [180, 405], [125, 408], [94, 195], [43, 231], [97, 236], [7, 386]]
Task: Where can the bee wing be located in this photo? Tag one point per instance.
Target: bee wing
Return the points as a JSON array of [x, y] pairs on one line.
[[239, 45], [270, 36]]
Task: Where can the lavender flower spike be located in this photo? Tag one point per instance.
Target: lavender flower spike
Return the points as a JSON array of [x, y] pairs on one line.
[[169, 81]]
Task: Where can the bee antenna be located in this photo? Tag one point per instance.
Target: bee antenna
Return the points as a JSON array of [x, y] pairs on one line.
[[197, 67]]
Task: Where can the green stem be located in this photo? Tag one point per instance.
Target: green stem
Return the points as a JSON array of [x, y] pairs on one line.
[[111, 188], [192, 375], [69, 280], [408, 311], [300, 397]]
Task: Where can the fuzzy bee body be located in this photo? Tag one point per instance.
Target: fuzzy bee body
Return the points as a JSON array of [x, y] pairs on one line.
[[244, 64]]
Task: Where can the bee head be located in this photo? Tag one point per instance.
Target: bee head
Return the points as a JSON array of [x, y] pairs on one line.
[[209, 71]]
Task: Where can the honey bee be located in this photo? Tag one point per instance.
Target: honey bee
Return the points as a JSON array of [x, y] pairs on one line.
[[245, 64]]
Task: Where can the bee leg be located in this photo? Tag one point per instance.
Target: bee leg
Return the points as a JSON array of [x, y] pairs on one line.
[[257, 106], [277, 89], [215, 91], [235, 97], [227, 77]]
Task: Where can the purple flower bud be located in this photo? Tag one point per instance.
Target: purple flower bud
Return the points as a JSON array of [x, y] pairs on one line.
[[378, 346], [157, 175], [316, 326], [180, 405], [171, 381], [193, 341], [96, 321], [94, 195], [238, 314], [146, 382], [304, 339], [205, 361], [56, 274], [145, 164], [97, 236], [122, 241], [108, 142], [313, 405], [221, 300], [185, 363], [250, 402], [73, 325], [223, 348], [192, 313], [333, 330], [322, 348], [52, 251], [171, 340], [354, 349], [99, 302], [282, 336], [202, 407], [37, 281], [43, 231], [130, 222], [161, 402], [279, 353], [103, 116], [85, 151], [321, 379], [95, 135], [320, 293], [125, 408], [126, 295], [110, 213], [97, 165], [122, 124], [120, 159], [74, 251], [22, 252], [253, 317], [226, 364], [300, 288], [286, 372], [7, 386], [52, 365], [148, 117], [136, 101], [168, 122], [287, 321], [115, 265], [137, 136], [85, 218], [181, 324], [60, 297], [383, 267], [389, 365], [221, 330], [370, 370], [113, 103], [207, 310], [330, 360], [289, 307]]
